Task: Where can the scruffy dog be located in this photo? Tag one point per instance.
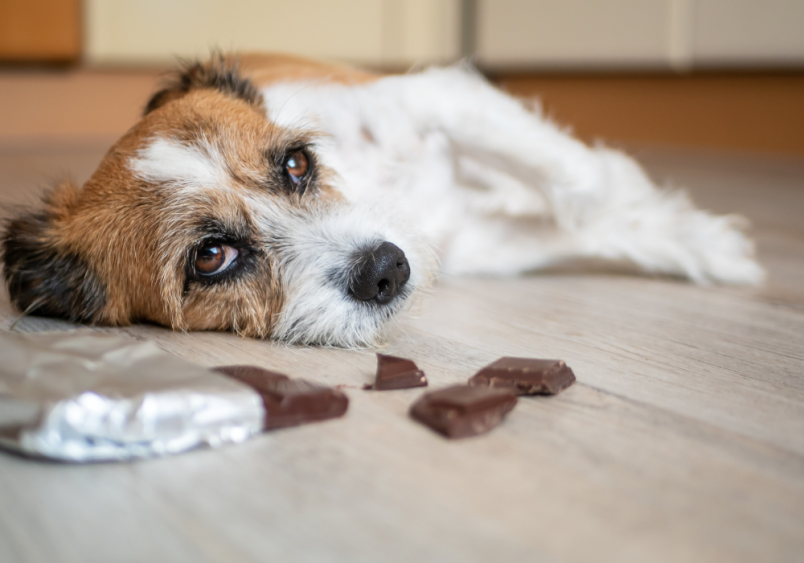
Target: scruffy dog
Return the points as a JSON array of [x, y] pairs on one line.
[[281, 197]]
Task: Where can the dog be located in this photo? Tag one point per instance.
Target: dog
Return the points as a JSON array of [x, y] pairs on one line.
[[276, 196]]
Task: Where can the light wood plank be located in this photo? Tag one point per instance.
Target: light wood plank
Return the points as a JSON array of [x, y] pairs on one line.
[[683, 439]]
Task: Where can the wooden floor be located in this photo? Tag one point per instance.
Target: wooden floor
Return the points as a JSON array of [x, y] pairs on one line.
[[683, 439]]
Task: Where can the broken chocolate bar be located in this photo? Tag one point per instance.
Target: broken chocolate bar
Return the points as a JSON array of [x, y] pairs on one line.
[[250, 375], [289, 402], [526, 376], [461, 411], [397, 373]]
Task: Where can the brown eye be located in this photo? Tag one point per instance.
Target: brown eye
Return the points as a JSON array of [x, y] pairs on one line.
[[296, 165], [213, 258]]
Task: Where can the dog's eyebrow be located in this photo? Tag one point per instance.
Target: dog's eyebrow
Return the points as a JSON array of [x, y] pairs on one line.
[[167, 160], [209, 226], [276, 152]]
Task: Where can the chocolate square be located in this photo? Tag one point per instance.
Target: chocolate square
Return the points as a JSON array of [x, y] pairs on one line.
[[526, 376], [461, 411], [397, 373]]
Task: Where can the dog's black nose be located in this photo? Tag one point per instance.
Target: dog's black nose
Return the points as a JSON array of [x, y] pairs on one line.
[[380, 273]]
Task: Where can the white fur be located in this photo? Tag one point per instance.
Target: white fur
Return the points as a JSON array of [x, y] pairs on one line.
[[441, 157], [166, 160], [314, 246], [500, 190]]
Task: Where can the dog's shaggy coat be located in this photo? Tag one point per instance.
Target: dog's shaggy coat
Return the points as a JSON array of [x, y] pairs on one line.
[[255, 190]]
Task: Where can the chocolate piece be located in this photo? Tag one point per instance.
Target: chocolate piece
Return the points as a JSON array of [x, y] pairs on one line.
[[289, 402], [526, 376], [250, 375], [397, 373], [461, 410]]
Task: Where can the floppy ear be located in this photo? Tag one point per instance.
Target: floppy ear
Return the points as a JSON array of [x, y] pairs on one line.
[[219, 73], [42, 276]]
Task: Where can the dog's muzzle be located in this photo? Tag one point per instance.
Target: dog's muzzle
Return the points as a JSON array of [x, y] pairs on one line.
[[379, 274]]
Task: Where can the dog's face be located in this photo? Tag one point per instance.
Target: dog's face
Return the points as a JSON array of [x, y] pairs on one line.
[[206, 216]]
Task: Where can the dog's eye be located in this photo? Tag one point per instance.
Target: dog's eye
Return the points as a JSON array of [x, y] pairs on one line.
[[213, 258], [296, 165]]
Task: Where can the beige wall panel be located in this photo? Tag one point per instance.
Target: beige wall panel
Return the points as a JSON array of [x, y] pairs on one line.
[[575, 33], [421, 31], [749, 31], [375, 32], [147, 31]]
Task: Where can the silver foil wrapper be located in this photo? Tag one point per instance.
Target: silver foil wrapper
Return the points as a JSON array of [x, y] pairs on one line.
[[86, 397]]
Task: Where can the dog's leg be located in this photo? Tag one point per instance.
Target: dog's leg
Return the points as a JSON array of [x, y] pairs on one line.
[[576, 201]]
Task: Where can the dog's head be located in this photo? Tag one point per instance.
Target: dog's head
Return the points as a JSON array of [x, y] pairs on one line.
[[206, 215]]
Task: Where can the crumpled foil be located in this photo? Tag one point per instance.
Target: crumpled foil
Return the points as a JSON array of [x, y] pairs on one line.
[[81, 396]]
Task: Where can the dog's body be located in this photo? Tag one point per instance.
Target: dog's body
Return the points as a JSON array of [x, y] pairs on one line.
[[300, 200]]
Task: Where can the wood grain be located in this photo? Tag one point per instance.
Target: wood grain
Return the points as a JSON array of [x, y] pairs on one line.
[[683, 439]]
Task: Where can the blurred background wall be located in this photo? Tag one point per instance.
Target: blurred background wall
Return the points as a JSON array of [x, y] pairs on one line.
[[705, 73], [503, 34], [373, 32], [640, 34]]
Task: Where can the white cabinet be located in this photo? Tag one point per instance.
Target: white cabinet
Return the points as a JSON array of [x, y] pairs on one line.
[[604, 34], [560, 33], [735, 32]]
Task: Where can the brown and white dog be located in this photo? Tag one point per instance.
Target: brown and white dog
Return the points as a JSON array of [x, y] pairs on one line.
[[281, 197]]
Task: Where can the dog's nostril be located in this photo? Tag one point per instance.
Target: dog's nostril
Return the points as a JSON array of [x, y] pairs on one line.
[[383, 286], [380, 273]]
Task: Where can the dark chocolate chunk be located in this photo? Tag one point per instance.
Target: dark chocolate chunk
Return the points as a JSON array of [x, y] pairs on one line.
[[397, 373], [250, 375], [289, 402], [461, 410], [526, 376]]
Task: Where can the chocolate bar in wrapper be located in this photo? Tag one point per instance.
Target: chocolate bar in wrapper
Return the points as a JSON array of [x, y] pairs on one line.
[[80, 396]]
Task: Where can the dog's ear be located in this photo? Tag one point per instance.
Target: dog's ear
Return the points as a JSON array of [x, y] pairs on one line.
[[41, 275], [220, 73]]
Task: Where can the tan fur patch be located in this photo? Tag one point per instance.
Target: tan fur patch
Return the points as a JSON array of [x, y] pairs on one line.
[[132, 229], [135, 236]]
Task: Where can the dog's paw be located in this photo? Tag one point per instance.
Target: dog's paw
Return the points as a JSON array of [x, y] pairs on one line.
[[663, 233], [661, 230]]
